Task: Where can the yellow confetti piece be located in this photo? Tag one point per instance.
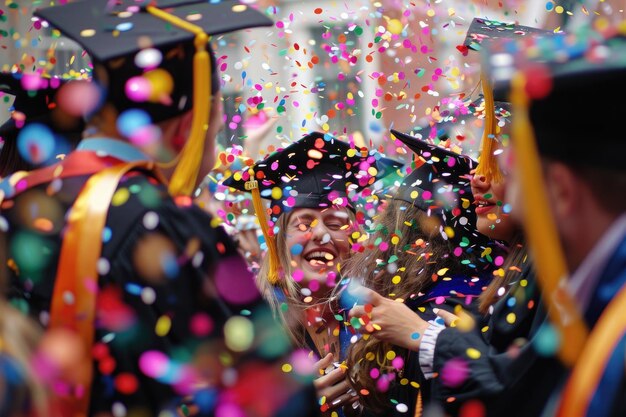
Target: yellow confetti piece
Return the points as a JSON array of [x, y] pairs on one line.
[[404, 381], [394, 26], [442, 271], [559, 9], [351, 152], [473, 353], [484, 329], [277, 193], [395, 240], [414, 194], [449, 231], [396, 279], [451, 12], [370, 356], [163, 326], [287, 368], [430, 13], [415, 384], [510, 318], [391, 355], [376, 326], [120, 197]]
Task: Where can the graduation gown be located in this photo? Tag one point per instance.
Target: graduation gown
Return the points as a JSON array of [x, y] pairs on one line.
[[517, 372], [446, 295], [176, 303]]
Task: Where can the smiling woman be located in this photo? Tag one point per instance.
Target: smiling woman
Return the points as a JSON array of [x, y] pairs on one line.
[[310, 185]]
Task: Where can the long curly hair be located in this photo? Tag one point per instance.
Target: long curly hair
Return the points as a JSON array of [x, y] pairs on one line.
[[415, 242]]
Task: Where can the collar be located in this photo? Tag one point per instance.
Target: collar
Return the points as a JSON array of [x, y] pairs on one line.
[[113, 147], [584, 280]]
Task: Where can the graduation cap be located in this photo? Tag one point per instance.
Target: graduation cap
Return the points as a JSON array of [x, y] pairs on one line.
[[439, 184], [317, 171], [550, 82], [155, 55], [485, 31]]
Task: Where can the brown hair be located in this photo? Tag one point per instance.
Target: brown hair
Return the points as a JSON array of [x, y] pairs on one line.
[[507, 274], [421, 252], [289, 309]]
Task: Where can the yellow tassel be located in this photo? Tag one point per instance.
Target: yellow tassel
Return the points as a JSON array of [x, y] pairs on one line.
[[184, 178], [488, 165], [252, 185], [419, 407], [541, 232]]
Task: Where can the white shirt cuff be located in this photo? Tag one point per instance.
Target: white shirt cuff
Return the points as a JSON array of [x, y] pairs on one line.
[[427, 349]]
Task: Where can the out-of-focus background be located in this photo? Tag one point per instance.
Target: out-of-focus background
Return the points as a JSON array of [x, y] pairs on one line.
[[352, 68]]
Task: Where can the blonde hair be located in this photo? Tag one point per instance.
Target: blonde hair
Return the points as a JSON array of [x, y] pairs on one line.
[[290, 310]]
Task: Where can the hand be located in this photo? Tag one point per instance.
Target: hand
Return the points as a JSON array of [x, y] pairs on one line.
[[448, 318], [332, 386], [390, 321]]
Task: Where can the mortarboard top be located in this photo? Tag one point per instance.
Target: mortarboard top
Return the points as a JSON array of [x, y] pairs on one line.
[[440, 169], [316, 171], [156, 57], [124, 37]]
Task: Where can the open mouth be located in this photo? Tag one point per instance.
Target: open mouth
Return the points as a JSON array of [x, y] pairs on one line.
[[320, 256], [483, 206]]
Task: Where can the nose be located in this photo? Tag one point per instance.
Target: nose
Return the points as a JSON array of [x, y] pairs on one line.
[[479, 182], [320, 233]]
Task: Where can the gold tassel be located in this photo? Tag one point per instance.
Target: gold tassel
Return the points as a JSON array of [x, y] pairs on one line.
[[488, 165], [541, 232], [184, 178], [419, 408], [252, 185]]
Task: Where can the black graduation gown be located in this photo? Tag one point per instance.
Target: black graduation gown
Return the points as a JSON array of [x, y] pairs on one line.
[[168, 282]]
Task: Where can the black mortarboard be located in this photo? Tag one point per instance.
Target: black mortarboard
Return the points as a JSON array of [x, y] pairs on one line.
[[316, 171], [132, 42], [441, 171], [155, 55]]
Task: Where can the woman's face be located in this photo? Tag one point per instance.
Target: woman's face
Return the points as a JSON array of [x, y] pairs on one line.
[[492, 215], [317, 240]]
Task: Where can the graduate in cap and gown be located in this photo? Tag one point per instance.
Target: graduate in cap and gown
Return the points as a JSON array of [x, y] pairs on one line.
[[438, 261], [568, 186], [466, 361], [311, 185], [149, 307]]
